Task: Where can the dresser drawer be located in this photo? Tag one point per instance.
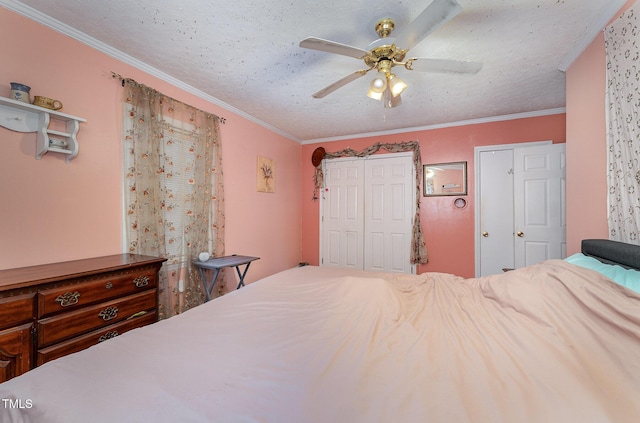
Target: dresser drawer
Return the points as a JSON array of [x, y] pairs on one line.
[[65, 326], [70, 297], [16, 310], [16, 350], [92, 338]]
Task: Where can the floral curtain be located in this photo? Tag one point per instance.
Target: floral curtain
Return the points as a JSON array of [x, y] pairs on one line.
[[418, 248], [173, 190], [622, 46]]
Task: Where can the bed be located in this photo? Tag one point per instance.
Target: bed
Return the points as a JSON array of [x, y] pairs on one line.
[[553, 342]]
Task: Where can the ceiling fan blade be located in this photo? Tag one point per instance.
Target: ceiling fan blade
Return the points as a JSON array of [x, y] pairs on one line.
[[333, 47], [431, 18], [443, 65], [340, 83]]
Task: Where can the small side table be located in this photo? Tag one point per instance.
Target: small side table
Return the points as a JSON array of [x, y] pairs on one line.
[[217, 263]]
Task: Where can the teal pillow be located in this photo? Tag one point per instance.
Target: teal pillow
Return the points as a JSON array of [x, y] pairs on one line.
[[625, 277]]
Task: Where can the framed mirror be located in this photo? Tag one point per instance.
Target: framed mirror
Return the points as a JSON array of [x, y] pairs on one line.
[[444, 179]]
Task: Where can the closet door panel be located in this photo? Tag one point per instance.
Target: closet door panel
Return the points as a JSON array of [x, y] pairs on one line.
[[342, 214], [539, 199], [367, 213], [389, 195], [496, 211]]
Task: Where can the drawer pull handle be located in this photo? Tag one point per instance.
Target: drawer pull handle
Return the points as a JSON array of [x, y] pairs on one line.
[[108, 335], [68, 299], [108, 313], [141, 281], [109, 285], [138, 314]]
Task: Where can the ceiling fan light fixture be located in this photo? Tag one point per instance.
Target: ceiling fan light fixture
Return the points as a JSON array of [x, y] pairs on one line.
[[390, 101], [396, 85], [388, 52], [377, 87], [374, 95]]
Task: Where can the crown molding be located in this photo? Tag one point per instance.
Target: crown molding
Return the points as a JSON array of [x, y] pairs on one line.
[[490, 119], [37, 16], [598, 24]]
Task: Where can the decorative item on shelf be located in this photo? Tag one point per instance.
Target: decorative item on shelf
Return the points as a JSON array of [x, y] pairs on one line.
[[266, 175], [203, 256], [57, 143], [47, 103], [60, 138], [20, 92]]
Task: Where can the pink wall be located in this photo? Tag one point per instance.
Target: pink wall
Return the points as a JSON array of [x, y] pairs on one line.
[[53, 211], [586, 148], [587, 145], [448, 231]]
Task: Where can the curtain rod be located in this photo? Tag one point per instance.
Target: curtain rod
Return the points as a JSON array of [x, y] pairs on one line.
[[122, 79]]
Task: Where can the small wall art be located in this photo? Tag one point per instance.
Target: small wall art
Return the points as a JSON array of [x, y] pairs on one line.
[[266, 175]]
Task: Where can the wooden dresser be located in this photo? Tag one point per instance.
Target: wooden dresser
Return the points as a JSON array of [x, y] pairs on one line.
[[52, 310]]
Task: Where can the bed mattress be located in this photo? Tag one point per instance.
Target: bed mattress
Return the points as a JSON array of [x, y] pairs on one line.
[[548, 343]]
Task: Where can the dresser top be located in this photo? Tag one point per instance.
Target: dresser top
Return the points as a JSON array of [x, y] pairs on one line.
[[43, 273]]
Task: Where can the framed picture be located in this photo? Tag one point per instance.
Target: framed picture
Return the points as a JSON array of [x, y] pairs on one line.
[[444, 179], [266, 175]]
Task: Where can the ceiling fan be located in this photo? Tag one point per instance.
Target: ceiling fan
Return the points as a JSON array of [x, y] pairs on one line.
[[387, 52]]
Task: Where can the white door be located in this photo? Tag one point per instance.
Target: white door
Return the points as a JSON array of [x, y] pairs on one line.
[[495, 206], [389, 204], [367, 213], [342, 229], [539, 199], [520, 205]]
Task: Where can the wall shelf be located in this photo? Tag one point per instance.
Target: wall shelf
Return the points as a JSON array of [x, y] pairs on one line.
[[23, 117]]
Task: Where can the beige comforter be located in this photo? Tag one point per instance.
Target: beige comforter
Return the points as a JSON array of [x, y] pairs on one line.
[[548, 343]]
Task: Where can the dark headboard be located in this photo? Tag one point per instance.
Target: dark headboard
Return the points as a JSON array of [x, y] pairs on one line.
[[612, 252]]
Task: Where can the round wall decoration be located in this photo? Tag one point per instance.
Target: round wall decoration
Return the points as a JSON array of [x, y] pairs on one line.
[[317, 156], [460, 203]]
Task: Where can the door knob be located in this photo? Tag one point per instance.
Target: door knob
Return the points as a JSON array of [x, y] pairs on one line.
[[485, 234], [520, 234]]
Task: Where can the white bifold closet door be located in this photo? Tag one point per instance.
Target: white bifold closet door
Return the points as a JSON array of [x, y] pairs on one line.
[[367, 210], [520, 206]]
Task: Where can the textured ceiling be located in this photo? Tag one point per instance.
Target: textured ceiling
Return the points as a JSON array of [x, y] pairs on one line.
[[246, 54]]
